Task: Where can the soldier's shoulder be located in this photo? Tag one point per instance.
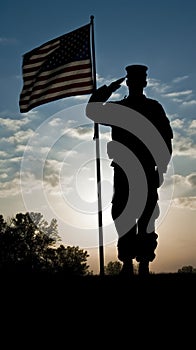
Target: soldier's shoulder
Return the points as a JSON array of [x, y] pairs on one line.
[[154, 104], [153, 101]]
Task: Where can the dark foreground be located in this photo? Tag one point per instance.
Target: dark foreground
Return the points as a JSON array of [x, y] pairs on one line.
[[44, 310], [101, 295], [158, 286]]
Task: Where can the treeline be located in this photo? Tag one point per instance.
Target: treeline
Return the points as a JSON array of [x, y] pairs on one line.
[[187, 269], [28, 243]]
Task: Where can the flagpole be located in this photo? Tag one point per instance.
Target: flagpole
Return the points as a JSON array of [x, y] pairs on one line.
[[98, 168]]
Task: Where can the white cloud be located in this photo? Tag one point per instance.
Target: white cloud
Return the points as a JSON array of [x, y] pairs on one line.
[[3, 176], [3, 154], [81, 133], [52, 165], [185, 202], [181, 187], [179, 79], [61, 155], [55, 122], [179, 93], [52, 179], [184, 130], [20, 148], [183, 97], [19, 137], [183, 145], [177, 123], [10, 188], [189, 103], [44, 150], [13, 124], [191, 179], [193, 124], [184, 186], [15, 160], [157, 86]]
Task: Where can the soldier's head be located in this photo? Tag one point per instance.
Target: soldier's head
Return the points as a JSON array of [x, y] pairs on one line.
[[136, 77]]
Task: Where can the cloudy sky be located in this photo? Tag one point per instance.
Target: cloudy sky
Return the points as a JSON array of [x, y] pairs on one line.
[[47, 155]]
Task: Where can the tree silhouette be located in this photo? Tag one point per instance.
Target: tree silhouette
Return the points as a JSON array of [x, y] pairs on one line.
[[187, 269], [28, 243], [70, 260], [113, 268]]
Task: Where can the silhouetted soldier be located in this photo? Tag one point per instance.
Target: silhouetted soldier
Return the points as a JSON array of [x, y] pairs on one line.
[[144, 130]]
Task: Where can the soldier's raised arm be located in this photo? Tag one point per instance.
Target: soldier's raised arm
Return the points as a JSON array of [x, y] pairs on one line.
[[101, 95]]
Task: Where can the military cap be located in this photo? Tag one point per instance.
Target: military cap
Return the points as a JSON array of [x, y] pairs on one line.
[[137, 70]]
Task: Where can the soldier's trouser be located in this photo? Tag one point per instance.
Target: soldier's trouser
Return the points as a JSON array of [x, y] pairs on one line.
[[140, 241]]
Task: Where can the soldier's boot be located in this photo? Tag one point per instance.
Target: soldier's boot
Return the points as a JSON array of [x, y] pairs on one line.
[[143, 269], [127, 268]]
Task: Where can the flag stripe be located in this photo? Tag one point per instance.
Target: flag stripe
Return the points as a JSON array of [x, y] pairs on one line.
[[66, 68], [50, 87], [61, 81], [55, 96], [76, 74], [57, 69], [30, 80]]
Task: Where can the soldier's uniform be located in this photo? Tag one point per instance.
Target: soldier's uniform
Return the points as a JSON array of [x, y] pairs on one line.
[[140, 241]]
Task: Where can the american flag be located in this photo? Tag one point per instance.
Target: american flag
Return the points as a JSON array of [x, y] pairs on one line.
[[59, 68]]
